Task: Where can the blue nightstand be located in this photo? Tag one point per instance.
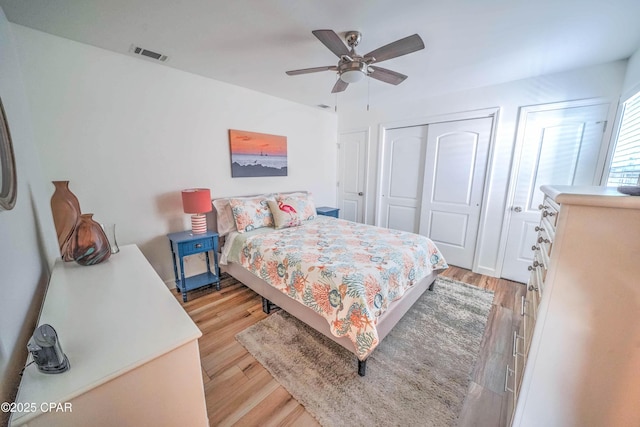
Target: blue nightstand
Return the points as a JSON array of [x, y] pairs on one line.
[[327, 211], [183, 244]]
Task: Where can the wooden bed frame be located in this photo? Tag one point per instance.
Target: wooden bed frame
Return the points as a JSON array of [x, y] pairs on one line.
[[271, 295]]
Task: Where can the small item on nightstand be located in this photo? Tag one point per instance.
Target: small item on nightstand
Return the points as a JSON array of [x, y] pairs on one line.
[[197, 201], [45, 348]]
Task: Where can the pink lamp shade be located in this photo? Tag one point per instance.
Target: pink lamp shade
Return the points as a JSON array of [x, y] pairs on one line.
[[197, 201]]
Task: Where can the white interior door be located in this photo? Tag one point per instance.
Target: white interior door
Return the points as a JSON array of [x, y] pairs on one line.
[[352, 173], [455, 170], [558, 146], [401, 183]]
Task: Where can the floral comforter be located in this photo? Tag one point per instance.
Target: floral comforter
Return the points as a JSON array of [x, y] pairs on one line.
[[345, 271]]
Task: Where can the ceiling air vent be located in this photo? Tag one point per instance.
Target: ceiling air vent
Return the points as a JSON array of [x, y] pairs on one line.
[[137, 50]]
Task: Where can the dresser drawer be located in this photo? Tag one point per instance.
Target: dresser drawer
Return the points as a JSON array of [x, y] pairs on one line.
[[549, 211], [543, 247], [530, 312], [544, 242], [539, 268], [526, 306]]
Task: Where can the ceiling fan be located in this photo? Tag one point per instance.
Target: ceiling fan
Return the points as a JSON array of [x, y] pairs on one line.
[[353, 67]]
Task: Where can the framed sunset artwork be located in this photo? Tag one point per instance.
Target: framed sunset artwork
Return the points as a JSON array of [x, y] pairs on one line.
[[257, 154]]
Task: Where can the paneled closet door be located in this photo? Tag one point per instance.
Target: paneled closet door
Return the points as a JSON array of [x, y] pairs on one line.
[[401, 183], [556, 145], [453, 186]]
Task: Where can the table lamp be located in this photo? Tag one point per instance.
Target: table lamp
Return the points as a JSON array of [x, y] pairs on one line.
[[197, 201]]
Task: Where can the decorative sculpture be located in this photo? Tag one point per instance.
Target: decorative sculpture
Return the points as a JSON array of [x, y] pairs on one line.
[[66, 213], [89, 243], [81, 239]]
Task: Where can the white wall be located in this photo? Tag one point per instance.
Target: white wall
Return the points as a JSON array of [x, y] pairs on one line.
[[129, 134], [599, 81], [28, 243], [632, 78]]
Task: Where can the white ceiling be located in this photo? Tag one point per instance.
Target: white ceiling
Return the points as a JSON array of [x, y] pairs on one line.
[[251, 43]]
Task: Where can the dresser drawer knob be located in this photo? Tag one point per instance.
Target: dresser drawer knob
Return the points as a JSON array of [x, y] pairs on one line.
[[535, 248], [543, 240], [539, 228], [541, 207], [547, 213], [198, 245], [535, 265]]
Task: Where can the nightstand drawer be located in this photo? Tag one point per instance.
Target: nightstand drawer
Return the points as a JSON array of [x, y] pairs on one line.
[[196, 246]]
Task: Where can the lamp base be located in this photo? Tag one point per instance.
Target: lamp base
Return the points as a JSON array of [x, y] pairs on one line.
[[198, 224]]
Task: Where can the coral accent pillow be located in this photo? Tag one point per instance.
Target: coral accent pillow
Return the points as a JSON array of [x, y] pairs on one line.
[[301, 203], [283, 215], [251, 213]]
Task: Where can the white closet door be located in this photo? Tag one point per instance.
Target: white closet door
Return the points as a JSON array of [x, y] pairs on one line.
[[558, 146], [453, 186], [401, 183]]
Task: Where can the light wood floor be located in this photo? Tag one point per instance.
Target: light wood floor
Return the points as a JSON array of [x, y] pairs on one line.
[[239, 391]]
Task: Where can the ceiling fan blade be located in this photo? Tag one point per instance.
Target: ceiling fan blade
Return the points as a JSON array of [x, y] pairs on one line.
[[312, 70], [331, 40], [387, 76], [340, 86], [397, 48]]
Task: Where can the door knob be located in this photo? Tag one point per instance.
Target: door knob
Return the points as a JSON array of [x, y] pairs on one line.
[[517, 209], [360, 193]]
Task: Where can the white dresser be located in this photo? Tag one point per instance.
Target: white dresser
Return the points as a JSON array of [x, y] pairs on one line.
[[576, 357], [133, 351]]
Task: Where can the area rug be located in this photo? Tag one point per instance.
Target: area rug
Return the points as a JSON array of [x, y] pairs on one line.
[[418, 375]]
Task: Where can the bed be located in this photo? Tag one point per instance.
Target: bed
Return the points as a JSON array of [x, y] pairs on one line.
[[351, 282]]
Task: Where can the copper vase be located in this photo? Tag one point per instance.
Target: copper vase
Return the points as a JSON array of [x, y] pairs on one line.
[[89, 244], [66, 213]]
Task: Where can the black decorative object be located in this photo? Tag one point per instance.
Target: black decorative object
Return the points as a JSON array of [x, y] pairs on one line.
[[631, 190]]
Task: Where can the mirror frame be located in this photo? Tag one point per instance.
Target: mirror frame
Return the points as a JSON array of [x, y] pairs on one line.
[[8, 179]]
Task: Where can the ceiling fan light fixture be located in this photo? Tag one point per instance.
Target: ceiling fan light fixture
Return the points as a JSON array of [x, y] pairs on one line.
[[352, 71], [352, 76]]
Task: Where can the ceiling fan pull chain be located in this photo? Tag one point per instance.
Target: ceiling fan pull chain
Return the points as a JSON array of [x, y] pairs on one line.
[[368, 91]]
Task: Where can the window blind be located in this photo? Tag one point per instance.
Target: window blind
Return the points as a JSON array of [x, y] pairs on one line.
[[625, 164]]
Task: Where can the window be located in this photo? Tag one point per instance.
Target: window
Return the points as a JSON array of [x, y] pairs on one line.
[[625, 164]]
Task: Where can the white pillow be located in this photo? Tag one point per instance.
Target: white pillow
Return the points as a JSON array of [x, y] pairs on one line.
[[226, 223]]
